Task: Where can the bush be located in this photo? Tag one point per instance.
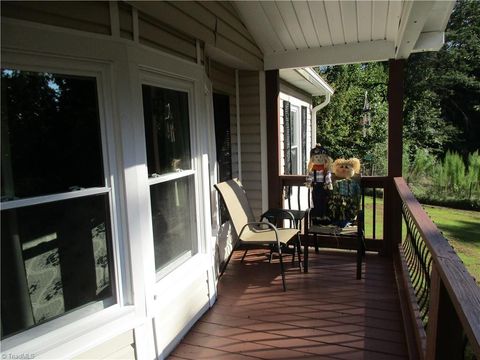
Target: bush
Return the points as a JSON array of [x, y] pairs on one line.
[[448, 182]]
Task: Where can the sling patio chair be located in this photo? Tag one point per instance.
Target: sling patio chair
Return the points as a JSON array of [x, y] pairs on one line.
[[251, 233]]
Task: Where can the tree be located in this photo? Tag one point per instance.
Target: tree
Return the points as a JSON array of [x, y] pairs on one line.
[[442, 108], [339, 126]]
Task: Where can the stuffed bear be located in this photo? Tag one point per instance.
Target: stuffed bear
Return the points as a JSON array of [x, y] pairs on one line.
[[344, 202], [320, 181]]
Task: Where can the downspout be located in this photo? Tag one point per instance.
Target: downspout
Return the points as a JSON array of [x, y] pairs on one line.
[[314, 117]]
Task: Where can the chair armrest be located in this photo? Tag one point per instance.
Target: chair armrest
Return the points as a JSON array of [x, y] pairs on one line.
[[268, 224], [279, 214]]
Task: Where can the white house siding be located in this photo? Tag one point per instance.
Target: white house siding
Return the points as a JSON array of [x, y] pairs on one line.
[[154, 34], [215, 24], [120, 347], [250, 137], [125, 20], [173, 28], [91, 16], [297, 98]]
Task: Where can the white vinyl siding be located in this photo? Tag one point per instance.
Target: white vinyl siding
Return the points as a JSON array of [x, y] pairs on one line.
[[120, 347], [250, 135], [205, 22], [91, 16], [170, 26]]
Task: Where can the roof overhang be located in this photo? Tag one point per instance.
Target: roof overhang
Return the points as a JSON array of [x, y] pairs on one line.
[[295, 34], [307, 80]]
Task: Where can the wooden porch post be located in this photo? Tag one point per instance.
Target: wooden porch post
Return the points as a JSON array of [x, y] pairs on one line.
[[272, 89], [393, 210]]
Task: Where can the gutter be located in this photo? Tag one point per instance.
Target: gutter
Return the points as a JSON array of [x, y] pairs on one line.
[[314, 117]]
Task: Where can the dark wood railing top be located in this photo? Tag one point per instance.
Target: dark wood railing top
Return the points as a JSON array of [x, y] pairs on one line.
[[299, 180], [461, 286]]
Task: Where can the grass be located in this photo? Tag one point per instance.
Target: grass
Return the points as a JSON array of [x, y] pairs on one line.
[[369, 217], [462, 230], [460, 227]]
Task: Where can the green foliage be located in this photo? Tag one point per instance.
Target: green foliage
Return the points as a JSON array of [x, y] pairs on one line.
[[473, 174], [443, 88], [448, 182], [339, 126], [441, 105], [454, 171]]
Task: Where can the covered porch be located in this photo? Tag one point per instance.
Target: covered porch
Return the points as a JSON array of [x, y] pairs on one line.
[[415, 299], [414, 293], [325, 314]]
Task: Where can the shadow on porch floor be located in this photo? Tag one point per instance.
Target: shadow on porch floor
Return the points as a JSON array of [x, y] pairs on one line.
[[325, 314]]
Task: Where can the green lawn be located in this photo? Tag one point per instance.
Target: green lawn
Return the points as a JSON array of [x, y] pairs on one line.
[[369, 217], [462, 229]]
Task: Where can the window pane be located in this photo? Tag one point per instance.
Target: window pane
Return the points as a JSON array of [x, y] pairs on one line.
[[295, 160], [51, 138], [167, 130], [173, 216], [56, 257]]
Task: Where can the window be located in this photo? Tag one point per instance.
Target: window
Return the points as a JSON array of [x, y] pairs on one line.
[[171, 176], [55, 199], [294, 144], [295, 140]]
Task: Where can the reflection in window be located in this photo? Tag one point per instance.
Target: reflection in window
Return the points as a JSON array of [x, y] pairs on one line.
[[55, 255], [55, 258], [166, 129], [173, 209], [167, 134], [50, 134]]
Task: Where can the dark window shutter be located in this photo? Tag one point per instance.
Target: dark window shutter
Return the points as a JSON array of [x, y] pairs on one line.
[[303, 131], [223, 139], [287, 138]]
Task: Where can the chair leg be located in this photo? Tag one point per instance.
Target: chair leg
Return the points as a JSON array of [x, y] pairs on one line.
[[228, 260], [282, 268], [293, 255], [244, 254], [360, 253], [316, 244], [299, 247]]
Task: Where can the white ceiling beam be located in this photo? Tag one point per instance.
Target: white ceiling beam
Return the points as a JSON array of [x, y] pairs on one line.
[[331, 55], [429, 41], [414, 16]]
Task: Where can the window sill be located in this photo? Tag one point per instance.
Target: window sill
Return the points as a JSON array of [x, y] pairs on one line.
[[54, 340]]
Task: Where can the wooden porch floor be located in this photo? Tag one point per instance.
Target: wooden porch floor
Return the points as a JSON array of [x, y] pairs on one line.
[[325, 314]]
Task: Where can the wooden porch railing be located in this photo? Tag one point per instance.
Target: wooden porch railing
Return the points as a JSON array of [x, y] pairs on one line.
[[443, 298], [295, 196], [440, 299]]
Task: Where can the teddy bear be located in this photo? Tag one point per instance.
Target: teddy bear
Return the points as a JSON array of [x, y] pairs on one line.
[[344, 201], [320, 181]]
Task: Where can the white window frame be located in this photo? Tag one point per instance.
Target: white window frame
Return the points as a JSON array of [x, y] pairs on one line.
[[157, 78], [35, 62], [296, 120]]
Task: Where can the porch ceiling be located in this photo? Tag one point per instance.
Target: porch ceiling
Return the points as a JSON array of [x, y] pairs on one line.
[[309, 33]]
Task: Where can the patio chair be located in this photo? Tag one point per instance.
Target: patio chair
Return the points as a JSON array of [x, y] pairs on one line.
[[251, 233], [344, 219]]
